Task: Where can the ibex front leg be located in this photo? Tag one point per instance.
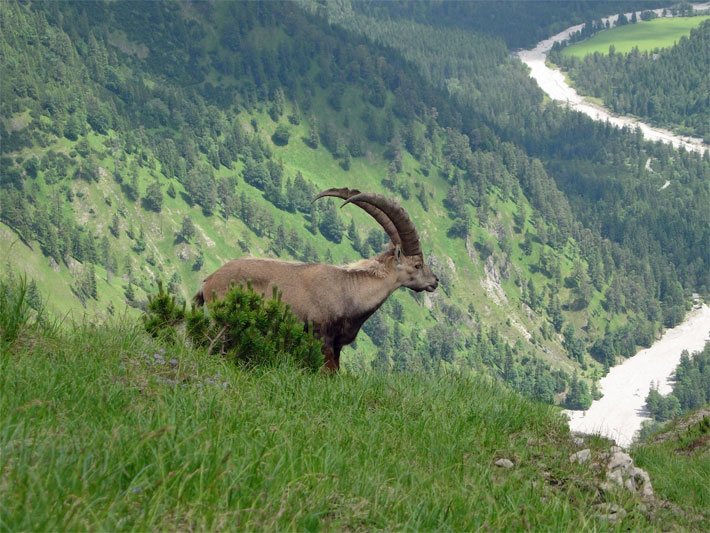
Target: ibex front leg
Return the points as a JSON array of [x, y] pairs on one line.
[[332, 360]]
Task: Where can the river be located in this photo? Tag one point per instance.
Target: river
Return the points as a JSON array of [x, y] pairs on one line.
[[620, 412], [552, 82]]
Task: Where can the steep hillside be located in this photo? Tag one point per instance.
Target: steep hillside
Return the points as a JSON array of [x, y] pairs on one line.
[[677, 454], [520, 23], [156, 140], [610, 177], [103, 427]]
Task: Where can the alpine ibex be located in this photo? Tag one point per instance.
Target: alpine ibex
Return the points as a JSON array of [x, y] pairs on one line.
[[336, 300]]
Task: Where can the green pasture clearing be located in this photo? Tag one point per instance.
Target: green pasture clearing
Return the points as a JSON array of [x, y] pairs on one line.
[[657, 33]]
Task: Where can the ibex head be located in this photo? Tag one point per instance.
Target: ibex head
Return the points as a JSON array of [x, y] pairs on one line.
[[412, 271]]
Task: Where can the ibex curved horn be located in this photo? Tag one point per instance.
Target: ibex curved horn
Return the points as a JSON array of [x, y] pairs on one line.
[[374, 211], [399, 217]]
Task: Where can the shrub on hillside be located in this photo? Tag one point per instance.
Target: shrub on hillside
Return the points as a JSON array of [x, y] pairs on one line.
[[163, 315], [281, 135], [242, 326], [21, 308]]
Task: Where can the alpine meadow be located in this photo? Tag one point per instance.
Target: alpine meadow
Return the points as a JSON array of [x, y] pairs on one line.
[[145, 145]]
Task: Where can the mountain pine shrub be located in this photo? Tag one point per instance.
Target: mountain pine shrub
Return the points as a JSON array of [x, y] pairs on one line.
[[21, 310], [163, 315], [242, 326]]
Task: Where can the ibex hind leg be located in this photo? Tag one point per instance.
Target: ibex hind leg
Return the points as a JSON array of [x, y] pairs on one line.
[[336, 356], [332, 361], [199, 299]]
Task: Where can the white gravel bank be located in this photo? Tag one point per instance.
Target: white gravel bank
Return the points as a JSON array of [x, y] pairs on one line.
[[619, 413], [552, 82]]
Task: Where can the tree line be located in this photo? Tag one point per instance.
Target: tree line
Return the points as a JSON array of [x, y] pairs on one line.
[[691, 387], [668, 87]]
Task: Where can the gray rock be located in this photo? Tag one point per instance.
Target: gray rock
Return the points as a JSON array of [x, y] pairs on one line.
[[641, 482], [607, 486], [504, 463], [616, 477], [621, 472], [581, 456], [639, 474], [578, 441], [610, 512], [620, 461]]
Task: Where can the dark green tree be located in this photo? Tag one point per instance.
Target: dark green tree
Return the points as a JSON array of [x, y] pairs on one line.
[[153, 198], [331, 224], [187, 230], [281, 135], [578, 396]]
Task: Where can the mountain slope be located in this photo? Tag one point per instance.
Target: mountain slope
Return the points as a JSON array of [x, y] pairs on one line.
[[134, 434], [124, 120]]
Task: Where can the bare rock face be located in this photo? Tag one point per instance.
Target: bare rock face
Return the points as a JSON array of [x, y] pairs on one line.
[[620, 461], [504, 463], [183, 253], [640, 482], [581, 456], [621, 472]]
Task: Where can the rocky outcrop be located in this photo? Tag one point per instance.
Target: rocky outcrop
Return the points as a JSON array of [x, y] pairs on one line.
[[581, 456], [620, 471]]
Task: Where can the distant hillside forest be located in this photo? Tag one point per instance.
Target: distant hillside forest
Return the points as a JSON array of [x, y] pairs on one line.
[[155, 140], [520, 23], [691, 387], [669, 87]]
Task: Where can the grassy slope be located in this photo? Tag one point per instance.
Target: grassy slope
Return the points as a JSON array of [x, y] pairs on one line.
[[98, 430], [657, 33], [218, 237], [678, 459], [96, 203]]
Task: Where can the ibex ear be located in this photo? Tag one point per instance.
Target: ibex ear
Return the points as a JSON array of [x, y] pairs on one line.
[[398, 253]]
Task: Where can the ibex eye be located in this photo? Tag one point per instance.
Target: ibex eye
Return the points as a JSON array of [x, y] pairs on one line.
[[417, 266]]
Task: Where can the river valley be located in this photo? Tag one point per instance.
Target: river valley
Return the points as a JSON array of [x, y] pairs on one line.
[[553, 83], [620, 412]]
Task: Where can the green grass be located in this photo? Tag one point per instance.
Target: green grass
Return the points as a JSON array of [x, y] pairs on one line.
[[102, 429], [678, 460], [647, 36]]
